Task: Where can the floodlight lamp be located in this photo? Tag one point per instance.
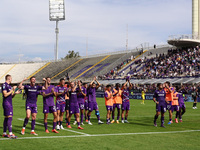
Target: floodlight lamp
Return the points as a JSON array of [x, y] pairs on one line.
[[56, 10]]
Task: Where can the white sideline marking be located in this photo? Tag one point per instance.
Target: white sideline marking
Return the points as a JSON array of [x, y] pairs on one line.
[[97, 135], [52, 126], [150, 116]]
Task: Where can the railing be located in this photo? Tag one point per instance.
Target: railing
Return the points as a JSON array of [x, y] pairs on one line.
[[184, 36]]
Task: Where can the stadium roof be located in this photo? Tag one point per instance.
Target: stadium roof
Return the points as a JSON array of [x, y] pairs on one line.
[[184, 41]]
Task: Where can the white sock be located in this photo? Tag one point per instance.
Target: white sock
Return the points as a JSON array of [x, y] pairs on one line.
[[4, 133], [32, 130], [23, 128], [10, 133]]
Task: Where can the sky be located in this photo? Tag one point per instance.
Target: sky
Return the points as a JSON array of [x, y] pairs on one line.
[[27, 33]]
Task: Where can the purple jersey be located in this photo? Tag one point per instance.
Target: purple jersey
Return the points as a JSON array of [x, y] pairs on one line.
[[73, 100], [32, 92], [80, 96], [125, 95], [160, 96], [91, 94], [7, 100], [60, 99], [180, 96], [48, 100]]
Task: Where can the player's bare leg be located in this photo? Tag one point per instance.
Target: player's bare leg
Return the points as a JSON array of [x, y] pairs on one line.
[[82, 115], [69, 119], [45, 122], [33, 115], [126, 116], [177, 115], [113, 115], [88, 115], [54, 122], [162, 119], [28, 114], [155, 118], [108, 115], [58, 118], [86, 120], [122, 116], [61, 120], [66, 116], [170, 117], [78, 121], [8, 124], [118, 115], [98, 116]]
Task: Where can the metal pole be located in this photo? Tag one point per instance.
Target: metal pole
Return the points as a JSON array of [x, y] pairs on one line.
[[57, 31]]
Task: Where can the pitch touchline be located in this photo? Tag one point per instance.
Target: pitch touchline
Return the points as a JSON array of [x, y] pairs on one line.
[[150, 116], [52, 126], [97, 135]]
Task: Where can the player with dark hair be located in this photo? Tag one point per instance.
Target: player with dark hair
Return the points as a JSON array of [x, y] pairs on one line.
[[67, 105], [160, 99], [175, 104], [32, 90], [92, 103], [169, 98], [82, 92], [182, 108], [85, 102], [195, 94], [8, 93], [48, 104], [125, 100], [73, 103], [117, 101], [108, 95], [60, 102]]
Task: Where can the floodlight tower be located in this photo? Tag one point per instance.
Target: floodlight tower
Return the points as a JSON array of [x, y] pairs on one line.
[[56, 13], [196, 18]]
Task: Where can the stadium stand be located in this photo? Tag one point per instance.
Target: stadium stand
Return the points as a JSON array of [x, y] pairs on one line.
[[20, 71], [123, 68], [5, 68]]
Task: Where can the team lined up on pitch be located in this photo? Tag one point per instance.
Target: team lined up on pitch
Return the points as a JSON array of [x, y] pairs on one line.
[[76, 97]]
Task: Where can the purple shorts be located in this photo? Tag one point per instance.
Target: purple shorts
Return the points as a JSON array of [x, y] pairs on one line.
[[49, 109], [109, 108], [92, 106], [175, 108], [182, 105], [81, 106], [125, 105], [116, 105], [33, 109], [73, 109], [161, 108], [8, 110], [60, 107], [86, 106], [169, 106]]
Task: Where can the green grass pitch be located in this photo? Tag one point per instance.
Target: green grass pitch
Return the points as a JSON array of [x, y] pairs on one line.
[[138, 134]]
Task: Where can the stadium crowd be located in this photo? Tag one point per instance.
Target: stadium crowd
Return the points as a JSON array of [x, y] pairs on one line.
[[176, 63]]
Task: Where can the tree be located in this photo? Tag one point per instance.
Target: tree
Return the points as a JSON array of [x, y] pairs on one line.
[[72, 54]]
